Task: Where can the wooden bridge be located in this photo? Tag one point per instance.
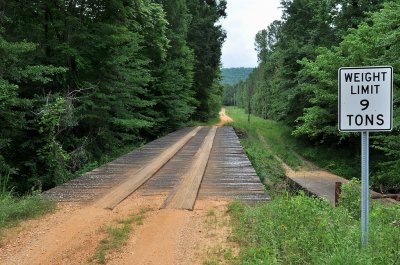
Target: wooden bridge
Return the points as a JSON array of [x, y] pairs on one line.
[[192, 163]]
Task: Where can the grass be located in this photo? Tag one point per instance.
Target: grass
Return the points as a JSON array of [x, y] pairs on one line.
[[280, 142], [295, 229], [211, 218], [15, 209], [338, 160], [218, 255], [116, 236], [304, 230], [277, 136]]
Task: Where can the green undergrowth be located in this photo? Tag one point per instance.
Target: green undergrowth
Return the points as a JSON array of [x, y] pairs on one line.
[[262, 141], [15, 209], [339, 160], [293, 151], [267, 167], [116, 236], [304, 230], [277, 137]]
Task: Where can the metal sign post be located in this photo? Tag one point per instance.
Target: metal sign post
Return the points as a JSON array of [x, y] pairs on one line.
[[365, 104], [364, 187]]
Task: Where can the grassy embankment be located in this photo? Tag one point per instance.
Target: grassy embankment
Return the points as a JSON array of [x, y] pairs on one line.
[[279, 140], [14, 209], [295, 229], [263, 140]]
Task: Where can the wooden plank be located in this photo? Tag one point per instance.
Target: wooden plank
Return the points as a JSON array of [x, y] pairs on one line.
[[229, 174], [184, 195], [139, 177]]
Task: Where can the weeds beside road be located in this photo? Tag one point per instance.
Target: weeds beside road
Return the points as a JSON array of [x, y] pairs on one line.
[[15, 209], [304, 230]]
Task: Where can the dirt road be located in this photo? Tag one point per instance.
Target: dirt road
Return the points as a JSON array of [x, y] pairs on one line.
[[224, 118], [72, 234]]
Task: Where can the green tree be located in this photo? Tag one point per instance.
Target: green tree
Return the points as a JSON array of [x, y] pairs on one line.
[[18, 74], [108, 48], [350, 13], [174, 91], [205, 37], [83, 81], [374, 44]]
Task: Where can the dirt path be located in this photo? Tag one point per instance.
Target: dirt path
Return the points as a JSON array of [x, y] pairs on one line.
[[224, 118], [176, 237], [68, 236], [72, 234]]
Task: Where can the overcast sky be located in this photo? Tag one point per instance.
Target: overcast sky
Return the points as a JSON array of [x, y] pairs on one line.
[[245, 19]]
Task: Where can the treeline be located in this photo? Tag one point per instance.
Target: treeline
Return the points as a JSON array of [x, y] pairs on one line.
[[231, 76], [296, 79], [84, 80]]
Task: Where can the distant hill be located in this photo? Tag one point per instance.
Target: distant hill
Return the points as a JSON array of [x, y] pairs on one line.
[[231, 76]]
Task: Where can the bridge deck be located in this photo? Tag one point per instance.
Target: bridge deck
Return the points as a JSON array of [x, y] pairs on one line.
[[228, 174]]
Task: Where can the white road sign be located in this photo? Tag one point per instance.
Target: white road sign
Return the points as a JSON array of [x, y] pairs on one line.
[[365, 98]]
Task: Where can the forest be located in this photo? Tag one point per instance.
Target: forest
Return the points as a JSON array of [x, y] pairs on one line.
[[295, 81], [231, 76], [82, 81]]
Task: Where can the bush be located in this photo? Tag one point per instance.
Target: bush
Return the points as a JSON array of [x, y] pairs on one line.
[[350, 198]]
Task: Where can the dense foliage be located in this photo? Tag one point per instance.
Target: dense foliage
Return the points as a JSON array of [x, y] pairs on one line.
[[296, 79], [82, 81]]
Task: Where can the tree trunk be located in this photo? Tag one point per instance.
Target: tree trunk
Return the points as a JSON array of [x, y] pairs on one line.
[[249, 107]]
